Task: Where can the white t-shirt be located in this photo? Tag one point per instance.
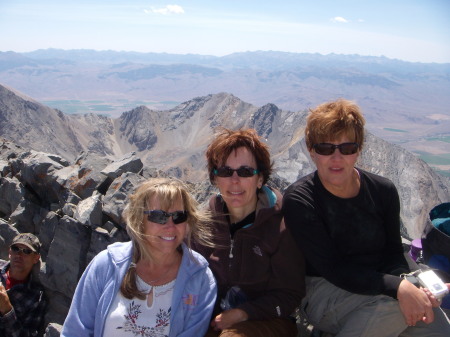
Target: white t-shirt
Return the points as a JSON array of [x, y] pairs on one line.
[[130, 318]]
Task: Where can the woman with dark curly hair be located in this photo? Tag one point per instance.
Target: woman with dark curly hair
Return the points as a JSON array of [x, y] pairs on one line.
[[258, 268]]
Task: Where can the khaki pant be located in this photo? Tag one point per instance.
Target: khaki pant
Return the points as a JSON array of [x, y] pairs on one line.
[[344, 314], [267, 328]]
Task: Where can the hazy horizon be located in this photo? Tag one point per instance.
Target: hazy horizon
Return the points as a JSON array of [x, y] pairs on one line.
[[408, 30]]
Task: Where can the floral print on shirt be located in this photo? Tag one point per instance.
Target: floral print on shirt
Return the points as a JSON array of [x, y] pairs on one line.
[[162, 321]]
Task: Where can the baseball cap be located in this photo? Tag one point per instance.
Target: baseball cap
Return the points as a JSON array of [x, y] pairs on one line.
[[29, 240]]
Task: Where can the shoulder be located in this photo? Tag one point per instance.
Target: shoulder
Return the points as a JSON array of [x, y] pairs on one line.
[[116, 253], [306, 182], [269, 197], [194, 265], [192, 259], [375, 181], [301, 189]]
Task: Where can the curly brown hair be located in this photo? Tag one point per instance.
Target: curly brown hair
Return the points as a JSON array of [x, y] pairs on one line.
[[226, 141], [331, 120]]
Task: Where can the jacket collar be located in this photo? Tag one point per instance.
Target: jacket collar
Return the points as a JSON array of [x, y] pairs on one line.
[[121, 253]]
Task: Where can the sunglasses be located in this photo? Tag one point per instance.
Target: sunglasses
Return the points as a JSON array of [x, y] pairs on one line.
[[243, 171], [327, 149], [26, 251], [161, 217]]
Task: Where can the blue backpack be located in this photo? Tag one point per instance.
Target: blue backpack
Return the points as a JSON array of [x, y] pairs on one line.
[[436, 244]]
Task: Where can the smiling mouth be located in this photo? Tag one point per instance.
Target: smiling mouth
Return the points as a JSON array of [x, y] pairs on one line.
[[236, 193], [168, 238]]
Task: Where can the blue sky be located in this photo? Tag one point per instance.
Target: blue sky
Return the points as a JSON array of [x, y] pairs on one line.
[[414, 30]]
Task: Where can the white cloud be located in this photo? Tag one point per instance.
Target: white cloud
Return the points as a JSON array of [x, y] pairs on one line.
[[169, 9], [339, 19]]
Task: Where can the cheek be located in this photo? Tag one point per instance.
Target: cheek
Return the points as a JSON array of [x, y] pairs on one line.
[[220, 184]]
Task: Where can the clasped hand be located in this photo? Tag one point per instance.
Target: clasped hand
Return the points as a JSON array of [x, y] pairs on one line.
[[416, 304], [227, 318]]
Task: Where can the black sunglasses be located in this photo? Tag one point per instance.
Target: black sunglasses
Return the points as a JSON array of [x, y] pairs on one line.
[[243, 171], [26, 251], [161, 217], [327, 149]]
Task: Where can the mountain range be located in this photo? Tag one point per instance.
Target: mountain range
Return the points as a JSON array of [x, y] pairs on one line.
[[405, 103], [174, 141]]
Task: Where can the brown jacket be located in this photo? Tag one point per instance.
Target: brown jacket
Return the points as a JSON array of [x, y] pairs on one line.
[[264, 263]]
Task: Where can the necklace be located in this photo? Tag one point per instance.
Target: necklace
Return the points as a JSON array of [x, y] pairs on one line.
[[145, 270], [161, 277]]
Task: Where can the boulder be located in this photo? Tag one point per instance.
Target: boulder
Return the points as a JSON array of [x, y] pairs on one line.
[[128, 163], [117, 195], [11, 193], [53, 330]]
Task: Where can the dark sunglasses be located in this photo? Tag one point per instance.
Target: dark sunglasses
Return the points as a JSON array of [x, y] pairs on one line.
[[26, 251], [161, 217], [327, 149], [243, 171]]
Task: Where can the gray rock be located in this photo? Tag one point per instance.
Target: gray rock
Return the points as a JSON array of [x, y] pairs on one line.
[[67, 196], [11, 193], [37, 170], [128, 163], [58, 307], [53, 330], [69, 209], [101, 238], [66, 259], [84, 177], [26, 217], [47, 232], [7, 234], [4, 168], [117, 195], [89, 211]]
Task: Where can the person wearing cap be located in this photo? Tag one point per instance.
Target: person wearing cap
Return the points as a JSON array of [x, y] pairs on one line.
[[22, 299]]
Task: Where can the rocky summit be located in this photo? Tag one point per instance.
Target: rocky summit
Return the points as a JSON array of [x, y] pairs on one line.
[[67, 177]]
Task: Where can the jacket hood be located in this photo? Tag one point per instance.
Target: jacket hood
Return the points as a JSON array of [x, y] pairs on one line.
[[121, 253]]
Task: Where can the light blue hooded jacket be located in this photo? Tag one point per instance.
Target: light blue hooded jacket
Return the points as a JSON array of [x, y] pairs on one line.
[[192, 302]]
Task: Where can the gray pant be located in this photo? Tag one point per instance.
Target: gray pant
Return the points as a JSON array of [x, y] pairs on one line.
[[344, 314]]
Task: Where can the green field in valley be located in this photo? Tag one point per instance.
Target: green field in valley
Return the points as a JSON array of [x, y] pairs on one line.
[[105, 108]]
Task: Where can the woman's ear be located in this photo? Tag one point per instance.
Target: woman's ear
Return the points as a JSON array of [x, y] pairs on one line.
[[312, 154], [260, 181]]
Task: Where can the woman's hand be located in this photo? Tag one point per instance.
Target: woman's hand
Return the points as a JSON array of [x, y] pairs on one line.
[[414, 304], [434, 301], [227, 318]]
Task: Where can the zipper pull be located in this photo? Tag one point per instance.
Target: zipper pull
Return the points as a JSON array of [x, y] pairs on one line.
[[231, 249]]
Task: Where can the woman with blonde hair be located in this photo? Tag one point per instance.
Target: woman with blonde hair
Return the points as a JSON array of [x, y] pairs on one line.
[[154, 285]]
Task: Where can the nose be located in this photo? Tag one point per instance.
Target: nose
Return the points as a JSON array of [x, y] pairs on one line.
[[235, 176], [336, 153], [169, 223]]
